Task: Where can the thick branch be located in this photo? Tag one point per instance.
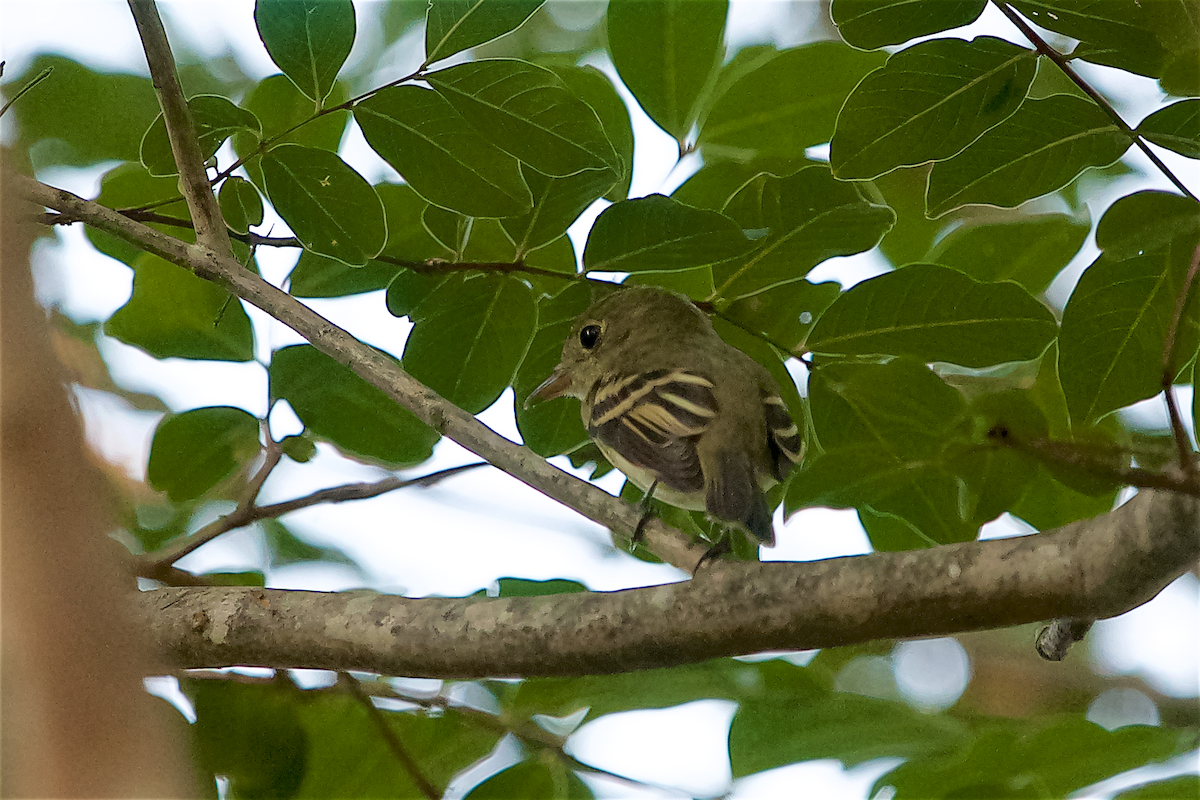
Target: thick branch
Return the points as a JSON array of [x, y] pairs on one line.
[[381, 371], [206, 214], [1091, 569]]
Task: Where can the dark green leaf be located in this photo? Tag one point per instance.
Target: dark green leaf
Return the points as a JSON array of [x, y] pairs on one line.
[[809, 217], [319, 276], [528, 112], [442, 157], [1181, 76], [340, 407], [658, 234], [129, 185], [1116, 33], [455, 25], [241, 205], [935, 313], [308, 39], [531, 780], [557, 202], [348, 758], [1029, 250], [284, 548], [78, 116], [1114, 325], [246, 578], [408, 288], [1049, 503], [664, 51], [216, 119], [298, 448], [785, 314], [173, 313], [789, 103], [928, 103], [332, 209], [469, 338], [877, 23], [1039, 149], [194, 451], [594, 87], [1175, 788], [903, 190], [714, 184], [249, 733], [551, 427], [1064, 756], [280, 106], [522, 587], [1176, 127]]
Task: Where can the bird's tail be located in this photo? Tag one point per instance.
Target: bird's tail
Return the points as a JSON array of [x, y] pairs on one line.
[[733, 495]]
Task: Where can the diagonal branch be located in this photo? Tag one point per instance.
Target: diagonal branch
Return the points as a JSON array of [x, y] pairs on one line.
[[1090, 569], [671, 545]]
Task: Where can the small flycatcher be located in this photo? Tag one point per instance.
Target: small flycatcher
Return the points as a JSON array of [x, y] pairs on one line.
[[690, 419]]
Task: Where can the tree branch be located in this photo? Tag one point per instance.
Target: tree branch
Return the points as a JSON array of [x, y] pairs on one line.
[[206, 214], [673, 546], [1090, 569]]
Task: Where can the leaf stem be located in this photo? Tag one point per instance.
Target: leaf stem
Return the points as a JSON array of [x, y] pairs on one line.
[[1064, 64], [1187, 457], [41, 76]]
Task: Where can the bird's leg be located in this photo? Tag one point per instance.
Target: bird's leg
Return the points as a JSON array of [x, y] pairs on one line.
[[639, 530], [723, 546]]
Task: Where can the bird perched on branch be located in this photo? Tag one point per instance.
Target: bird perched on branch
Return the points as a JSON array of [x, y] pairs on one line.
[[690, 419]]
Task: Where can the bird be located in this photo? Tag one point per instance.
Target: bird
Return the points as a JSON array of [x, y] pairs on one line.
[[689, 419]]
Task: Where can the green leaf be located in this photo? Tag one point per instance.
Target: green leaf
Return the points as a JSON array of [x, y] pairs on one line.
[[594, 87], [522, 587], [1060, 758], [409, 288], [284, 548], [319, 276], [298, 448], [129, 185], [877, 23], [715, 183], [664, 51], [216, 119], [809, 216], [338, 406], [531, 780], [785, 314], [442, 157], [789, 103], [308, 39], [528, 112], [470, 336], [1169, 789], [934, 313], [174, 314], [1049, 503], [557, 202], [1029, 250], [1176, 127], [1181, 76], [927, 103], [658, 234], [1117, 33], [903, 190], [332, 209], [1115, 322], [194, 451], [551, 427], [348, 758], [280, 106], [241, 204], [455, 25], [251, 734], [1039, 149], [78, 116]]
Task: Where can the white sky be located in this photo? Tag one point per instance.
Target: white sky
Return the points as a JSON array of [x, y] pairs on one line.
[[468, 531]]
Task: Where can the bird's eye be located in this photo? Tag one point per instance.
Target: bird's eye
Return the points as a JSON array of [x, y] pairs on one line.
[[589, 336]]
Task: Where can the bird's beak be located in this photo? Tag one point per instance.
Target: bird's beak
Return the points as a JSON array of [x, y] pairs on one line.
[[556, 385]]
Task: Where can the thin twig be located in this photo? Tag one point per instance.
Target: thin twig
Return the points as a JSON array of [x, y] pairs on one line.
[[1187, 458], [41, 76], [246, 513], [389, 737], [1064, 64], [181, 131]]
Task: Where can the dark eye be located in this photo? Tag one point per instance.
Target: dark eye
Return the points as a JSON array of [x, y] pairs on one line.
[[589, 336]]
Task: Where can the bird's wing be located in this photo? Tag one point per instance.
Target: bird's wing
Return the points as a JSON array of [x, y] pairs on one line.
[[653, 420], [783, 436]]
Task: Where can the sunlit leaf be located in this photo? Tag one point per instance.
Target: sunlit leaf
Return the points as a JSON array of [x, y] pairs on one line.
[[194, 451], [442, 157], [927, 103], [331, 208], [876, 23], [308, 39]]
